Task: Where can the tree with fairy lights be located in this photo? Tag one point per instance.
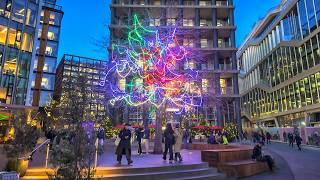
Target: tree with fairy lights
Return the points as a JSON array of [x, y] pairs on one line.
[[150, 64]]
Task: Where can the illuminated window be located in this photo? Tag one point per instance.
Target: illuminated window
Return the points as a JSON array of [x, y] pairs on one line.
[[204, 3], [3, 34], [203, 22], [27, 42], [205, 85], [155, 22], [188, 22], [49, 51], [171, 21], [51, 36], [14, 38], [204, 43], [223, 86], [45, 83], [122, 84]]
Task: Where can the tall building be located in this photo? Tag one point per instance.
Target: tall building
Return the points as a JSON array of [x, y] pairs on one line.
[[45, 53], [280, 64], [20, 23], [71, 67], [211, 33]]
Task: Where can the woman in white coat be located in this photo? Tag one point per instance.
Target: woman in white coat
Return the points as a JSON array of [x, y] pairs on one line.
[[178, 133]]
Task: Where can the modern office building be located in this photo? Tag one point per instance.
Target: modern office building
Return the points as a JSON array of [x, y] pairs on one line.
[[280, 63], [71, 67], [210, 32], [45, 53], [20, 23]]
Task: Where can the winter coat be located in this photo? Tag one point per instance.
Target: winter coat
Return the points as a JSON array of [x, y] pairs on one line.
[[169, 137], [124, 142], [178, 138], [298, 139], [257, 153], [139, 135]]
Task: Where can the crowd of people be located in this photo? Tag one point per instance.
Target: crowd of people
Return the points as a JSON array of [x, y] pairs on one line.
[[173, 138], [291, 138]]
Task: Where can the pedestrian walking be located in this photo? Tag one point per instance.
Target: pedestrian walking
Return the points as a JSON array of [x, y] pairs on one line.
[[291, 139], [298, 141], [124, 146], [101, 136], [284, 135], [139, 135], [178, 133], [268, 138], [146, 138], [185, 138], [169, 141]]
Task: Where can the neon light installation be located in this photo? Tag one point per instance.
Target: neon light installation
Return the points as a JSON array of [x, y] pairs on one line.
[[149, 65]]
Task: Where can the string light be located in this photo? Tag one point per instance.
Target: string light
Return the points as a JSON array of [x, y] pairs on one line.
[[148, 62]]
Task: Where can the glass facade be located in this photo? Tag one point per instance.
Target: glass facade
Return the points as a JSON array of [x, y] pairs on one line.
[[16, 46], [72, 67], [282, 68], [50, 52]]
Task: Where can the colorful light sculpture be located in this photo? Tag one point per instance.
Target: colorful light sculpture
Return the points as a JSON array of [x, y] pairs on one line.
[[149, 64]]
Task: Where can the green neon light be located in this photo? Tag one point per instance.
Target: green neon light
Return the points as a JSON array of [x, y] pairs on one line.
[[3, 117]]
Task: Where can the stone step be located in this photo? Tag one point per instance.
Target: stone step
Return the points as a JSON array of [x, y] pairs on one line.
[[173, 174], [175, 171], [138, 170]]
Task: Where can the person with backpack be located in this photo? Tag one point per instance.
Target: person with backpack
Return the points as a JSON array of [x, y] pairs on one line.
[[169, 141], [101, 136]]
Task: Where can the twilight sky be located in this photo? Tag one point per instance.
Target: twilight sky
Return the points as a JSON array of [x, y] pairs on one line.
[[86, 24]]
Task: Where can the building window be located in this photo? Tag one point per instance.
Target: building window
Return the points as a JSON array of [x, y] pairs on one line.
[[122, 84], [223, 86], [155, 22], [205, 85], [3, 34], [188, 22], [204, 43], [171, 22]]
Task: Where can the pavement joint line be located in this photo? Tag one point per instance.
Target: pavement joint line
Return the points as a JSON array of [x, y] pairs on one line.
[[303, 145]]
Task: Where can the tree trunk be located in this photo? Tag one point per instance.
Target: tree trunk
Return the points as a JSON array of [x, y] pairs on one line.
[[158, 138]]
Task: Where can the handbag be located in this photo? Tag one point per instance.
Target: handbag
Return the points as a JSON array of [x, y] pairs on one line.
[[117, 141]]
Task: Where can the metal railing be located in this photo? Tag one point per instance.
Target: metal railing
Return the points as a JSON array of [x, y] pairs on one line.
[[29, 157]]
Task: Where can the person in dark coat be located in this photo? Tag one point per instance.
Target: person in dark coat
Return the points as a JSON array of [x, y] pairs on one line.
[[212, 139], [268, 138], [284, 136], [124, 146], [298, 141], [291, 139], [168, 142], [257, 155], [139, 138]]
